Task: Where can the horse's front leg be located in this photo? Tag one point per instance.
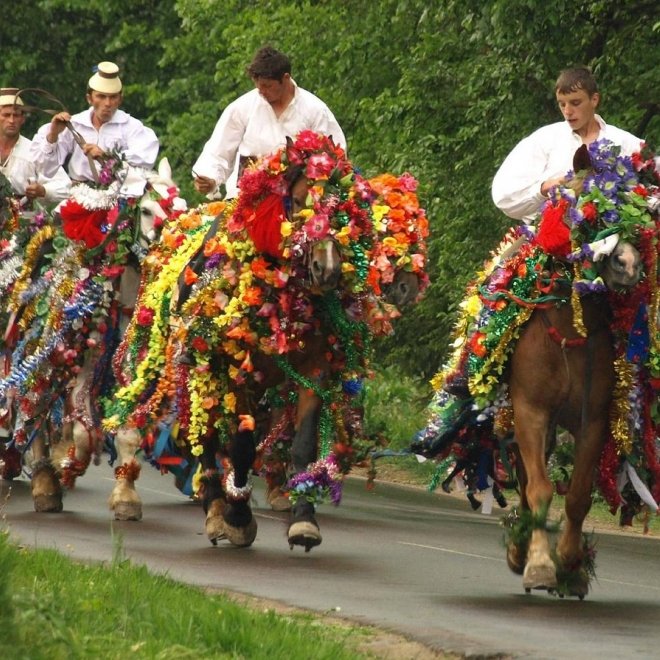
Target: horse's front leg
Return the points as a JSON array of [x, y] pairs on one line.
[[240, 526], [124, 499], [571, 547], [303, 529], [45, 482], [531, 429]]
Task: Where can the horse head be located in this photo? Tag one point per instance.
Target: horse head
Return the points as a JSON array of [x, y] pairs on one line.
[[323, 259], [160, 199], [623, 268], [403, 290]]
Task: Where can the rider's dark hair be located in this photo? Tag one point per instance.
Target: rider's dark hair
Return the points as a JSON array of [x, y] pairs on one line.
[[269, 63], [577, 77]]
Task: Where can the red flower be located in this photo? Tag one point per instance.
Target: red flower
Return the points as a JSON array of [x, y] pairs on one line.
[[590, 212], [199, 344], [144, 316], [112, 271]]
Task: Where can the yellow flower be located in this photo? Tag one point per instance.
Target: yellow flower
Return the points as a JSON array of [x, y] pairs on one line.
[[229, 402], [379, 211], [286, 228], [471, 305]]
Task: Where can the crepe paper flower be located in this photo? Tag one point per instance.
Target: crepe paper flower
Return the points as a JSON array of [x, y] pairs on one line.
[[190, 276], [247, 423], [144, 316], [317, 226]]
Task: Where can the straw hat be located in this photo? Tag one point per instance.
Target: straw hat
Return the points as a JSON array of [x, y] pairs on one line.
[[106, 79], [8, 96]]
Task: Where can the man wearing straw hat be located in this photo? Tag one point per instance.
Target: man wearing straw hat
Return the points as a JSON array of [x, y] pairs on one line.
[[101, 128], [15, 161]]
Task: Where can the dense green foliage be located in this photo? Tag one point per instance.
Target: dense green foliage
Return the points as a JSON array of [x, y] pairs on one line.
[[443, 90], [53, 609]]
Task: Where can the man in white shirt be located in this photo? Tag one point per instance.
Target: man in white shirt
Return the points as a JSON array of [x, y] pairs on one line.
[[540, 161], [102, 127], [258, 123], [26, 180]]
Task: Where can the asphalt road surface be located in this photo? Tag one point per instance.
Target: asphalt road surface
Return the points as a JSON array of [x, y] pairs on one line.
[[413, 562]]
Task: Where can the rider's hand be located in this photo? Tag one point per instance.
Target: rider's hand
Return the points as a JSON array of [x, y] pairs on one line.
[[33, 190], [93, 150], [548, 185], [57, 125], [205, 184]]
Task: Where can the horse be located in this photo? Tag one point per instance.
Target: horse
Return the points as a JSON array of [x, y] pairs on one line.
[[70, 311], [310, 344], [553, 339]]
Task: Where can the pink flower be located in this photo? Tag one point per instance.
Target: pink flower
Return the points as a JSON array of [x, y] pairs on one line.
[[319, 166], [408, 182], [317, 226], [144, 316]]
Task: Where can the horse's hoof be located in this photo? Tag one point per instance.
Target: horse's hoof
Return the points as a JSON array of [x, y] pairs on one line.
[[49, 503], [241, 536], [540, 577], [515, 558], [215, 529], [304, 533], [278, 500], [128, 511]]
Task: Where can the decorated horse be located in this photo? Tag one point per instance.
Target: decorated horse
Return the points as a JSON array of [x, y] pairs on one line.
[[562, 331], [69, 306], [280, 310]]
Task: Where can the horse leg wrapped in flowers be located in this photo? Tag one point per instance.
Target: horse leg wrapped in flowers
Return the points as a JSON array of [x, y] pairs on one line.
[[71, 313], [569, 324]]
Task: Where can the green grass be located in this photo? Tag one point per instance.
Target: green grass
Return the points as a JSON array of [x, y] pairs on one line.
[[52, 608]]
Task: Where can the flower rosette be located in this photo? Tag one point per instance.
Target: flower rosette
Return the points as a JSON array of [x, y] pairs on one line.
[[402, 229]]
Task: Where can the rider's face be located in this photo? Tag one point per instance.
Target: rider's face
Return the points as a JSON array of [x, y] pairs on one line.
[[103, 105], [11, 121], [578, 108], [273, 91]]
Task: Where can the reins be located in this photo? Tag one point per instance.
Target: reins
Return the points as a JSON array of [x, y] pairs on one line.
[[80, 140]]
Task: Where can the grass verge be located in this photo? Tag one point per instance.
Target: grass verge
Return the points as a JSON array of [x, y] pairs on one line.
[[53, 608]]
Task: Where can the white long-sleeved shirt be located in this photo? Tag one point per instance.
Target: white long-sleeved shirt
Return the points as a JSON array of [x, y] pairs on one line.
[[136, 141], [20, 168], [545, 154], [249, 127]]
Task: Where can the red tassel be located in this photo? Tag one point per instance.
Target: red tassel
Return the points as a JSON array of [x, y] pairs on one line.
[[264, 225], [553, 235], [81, 224]]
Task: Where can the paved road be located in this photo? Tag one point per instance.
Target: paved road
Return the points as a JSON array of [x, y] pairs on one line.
[[417, 563]]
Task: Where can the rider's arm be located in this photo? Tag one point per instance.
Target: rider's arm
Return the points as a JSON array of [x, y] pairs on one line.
[[49, 157], [219, 154]]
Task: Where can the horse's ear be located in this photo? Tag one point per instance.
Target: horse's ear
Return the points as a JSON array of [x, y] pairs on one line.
[[164, 169], [581, 159]]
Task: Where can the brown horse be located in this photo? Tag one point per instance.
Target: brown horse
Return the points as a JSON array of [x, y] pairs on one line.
[[547, 332], [566, 382], [559, 376]]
